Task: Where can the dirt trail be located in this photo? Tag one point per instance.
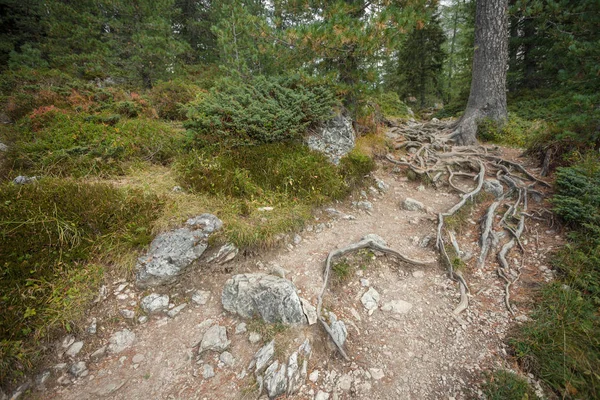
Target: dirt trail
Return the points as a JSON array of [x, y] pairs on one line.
[[421, 353]]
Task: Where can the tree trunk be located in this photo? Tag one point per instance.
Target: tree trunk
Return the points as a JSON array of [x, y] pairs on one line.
[[487, 98]]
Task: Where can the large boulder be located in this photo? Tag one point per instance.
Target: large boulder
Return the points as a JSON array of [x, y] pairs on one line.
[[335, 138], [172, 252], [272, 298]]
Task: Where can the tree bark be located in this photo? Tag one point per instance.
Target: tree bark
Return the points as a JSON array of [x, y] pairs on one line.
[[487, 98]]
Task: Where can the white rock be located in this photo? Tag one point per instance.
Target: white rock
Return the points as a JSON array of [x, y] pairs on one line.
[[275, 380], [412, 205], [78, 369], [397, 306], [321, 395], [74, 349], [310, 311], [201, 297], [376, 373], [208, 371], [314, 376], [172, 313], [120, 340], [215, 339], [227, 359], [254, 337], [93, 327], [370, 299], [129, 314], [264, 355], [154, 303], [240, 328]]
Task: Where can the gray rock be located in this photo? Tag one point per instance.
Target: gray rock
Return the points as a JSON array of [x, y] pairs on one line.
[[494, 187], [376, 373], [412, 205], [172, 252], [154, 303], [425, 241], [138, 358], [201, 297], [208, 371], [275, 380], [297, 239], [142, 319], [78, 369], [227, 359], [370, 299], [226, 253], [335, 138], [120, 341], [93, 327], [67, 341], [375, 238], [293, 374], [20, 391], [321, 395], [208, 223], [240, 328], [310, 311], [339, 331], [254, 337], [172, 313], [3, 147], [397, 307], [215, 339], [381, 185], [264, 355], [98, 354], [363, 205], [273, 298], [74, 349], [333, 212], [345, 382], [177, 189], [23, 180], [41, 379], [129, 314], [314, 376]]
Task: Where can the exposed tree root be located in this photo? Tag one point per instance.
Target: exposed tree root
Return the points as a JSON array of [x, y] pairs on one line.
[[363, 244], [430, 152]]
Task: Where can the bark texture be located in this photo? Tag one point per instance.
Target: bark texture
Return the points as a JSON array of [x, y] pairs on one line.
[[487, 98]]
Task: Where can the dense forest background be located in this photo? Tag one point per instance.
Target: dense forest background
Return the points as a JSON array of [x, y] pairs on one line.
[[212, 89]]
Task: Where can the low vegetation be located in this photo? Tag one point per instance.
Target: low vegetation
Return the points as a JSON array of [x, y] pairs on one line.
[[506, 385]]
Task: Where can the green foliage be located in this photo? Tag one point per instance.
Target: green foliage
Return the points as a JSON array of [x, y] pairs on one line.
[[51, 234], [506, 385], [561, 345], [355, 165], [289, 169], [58, 142], [385, 104], [260, 110], [342, 271], [515, 131], [170, 98]]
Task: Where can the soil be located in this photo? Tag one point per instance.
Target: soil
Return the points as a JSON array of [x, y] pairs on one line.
[[425, 353]]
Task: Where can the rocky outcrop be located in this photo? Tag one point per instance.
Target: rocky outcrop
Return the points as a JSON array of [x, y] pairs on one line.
[[272, 298], [335, 138], [172, 252]]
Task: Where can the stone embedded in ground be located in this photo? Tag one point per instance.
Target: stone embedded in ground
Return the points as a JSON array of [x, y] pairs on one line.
[[321, 395], [376, 373], [208, 371], [172, 252], [129, 314], [120, 341], [142, 319], [227, 359], [339, 331], [363, 205], [345, 382], [3, 147], [240, 328], [397, 306], [275, 380], [370, 299], [226, 253], [154, 303], [335, 138], [310, 311], [201, 297], [215, 339], [93, 327], [494, 187], [172, 313], [138, 358], [272, 298], [74, 349], [293, 374], [98, 354], [314, 376], [23, 180], [78, 369], [412, 205], [381, 185], [375, 238], [264, 355], [254, 337], [67, 341]]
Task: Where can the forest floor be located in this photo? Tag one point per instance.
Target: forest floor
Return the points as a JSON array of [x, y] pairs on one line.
[[421, 350]]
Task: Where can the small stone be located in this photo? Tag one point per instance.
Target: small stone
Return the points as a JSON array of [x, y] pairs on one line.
[[98, 354], [418, 274], [297, 239], [3, 147], [60, 366], [138, 358], [74, 349], [275, 380], [333, 212], [264, 355], [240, 328], [120, 340], [143, 319], [370, 299], [381, 185], [93, 327], [177, 189], [397, 306], [314, 376], [215, 339], [339, 331], [129, 314], [78, 369], [68, 341], [494, 187], [265, 208], [412, 205], [102, 294], [227, 359], [254, 337], [20, 391], [363, 205], [345, 382], [376, 373], [364, 282], [208, 371], [41, 379], [321, 395], [201, 297], [23, 180], [172, 313], [154, 303], [309, 311]]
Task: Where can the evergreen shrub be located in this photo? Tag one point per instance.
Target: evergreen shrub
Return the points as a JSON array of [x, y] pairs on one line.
[[170, 98], [258, 110]]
